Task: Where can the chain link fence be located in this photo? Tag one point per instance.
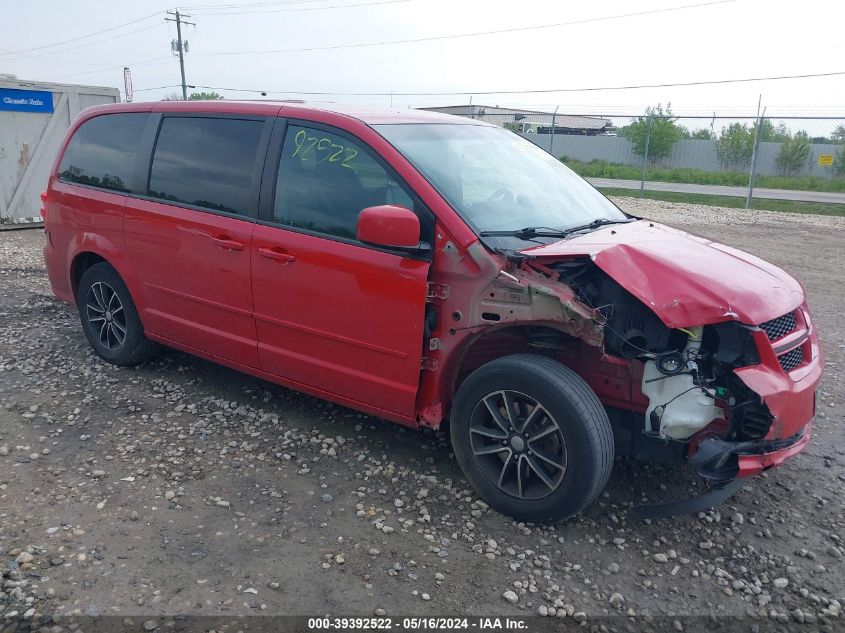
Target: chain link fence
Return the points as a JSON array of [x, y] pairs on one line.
[[781, 163]]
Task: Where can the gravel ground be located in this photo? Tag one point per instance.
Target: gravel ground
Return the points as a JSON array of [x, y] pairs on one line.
[[183, 487]]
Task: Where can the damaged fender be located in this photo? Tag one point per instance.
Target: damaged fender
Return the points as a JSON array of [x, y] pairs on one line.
[[527, 296], [513, 294]]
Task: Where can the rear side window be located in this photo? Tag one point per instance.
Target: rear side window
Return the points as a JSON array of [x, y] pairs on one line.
[[102, 151], [206, 162]]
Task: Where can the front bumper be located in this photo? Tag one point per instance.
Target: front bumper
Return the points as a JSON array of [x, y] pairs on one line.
[[790, 395], [753, 463], [726, 465], [788, 391], [719, 461]]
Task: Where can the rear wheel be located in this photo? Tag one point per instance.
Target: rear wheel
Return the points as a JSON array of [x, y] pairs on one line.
[[532, 438], [110, 319]]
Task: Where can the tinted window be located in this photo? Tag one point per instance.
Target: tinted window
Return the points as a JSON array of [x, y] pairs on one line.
[[206, 162], [102, 152], [326, 180]]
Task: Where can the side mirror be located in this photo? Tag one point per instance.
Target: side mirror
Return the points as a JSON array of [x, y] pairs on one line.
[[390, 226]]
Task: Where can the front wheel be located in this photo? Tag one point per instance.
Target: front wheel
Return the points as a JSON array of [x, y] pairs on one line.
[[532, 438]]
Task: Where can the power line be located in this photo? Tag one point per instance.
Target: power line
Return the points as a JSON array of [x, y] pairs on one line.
[[293, 2], [73, 48], [63, 61], [242, 5], [157, 88], [334, 6], [82, 37], [143, 62], [476, 34], [539, 91]]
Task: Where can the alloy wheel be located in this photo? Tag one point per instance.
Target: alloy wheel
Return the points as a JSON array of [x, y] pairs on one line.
[[105, 314], [518, 445]]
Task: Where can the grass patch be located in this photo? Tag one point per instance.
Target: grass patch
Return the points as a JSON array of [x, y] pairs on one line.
[[603, 169], [791, 206]]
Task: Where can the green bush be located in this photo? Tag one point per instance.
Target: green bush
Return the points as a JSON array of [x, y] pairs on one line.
[[736, 202], [794, 154], [657, 129], [701, 134], [735, 146], [688, 175]]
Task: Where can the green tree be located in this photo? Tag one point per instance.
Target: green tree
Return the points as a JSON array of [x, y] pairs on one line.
[[771, 134], [735, 146], [664, 132], [701, 134], [794, 154], [838, 136], [204, 96]]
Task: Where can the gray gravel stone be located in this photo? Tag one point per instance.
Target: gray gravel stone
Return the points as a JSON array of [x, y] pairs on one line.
[[510, 596]]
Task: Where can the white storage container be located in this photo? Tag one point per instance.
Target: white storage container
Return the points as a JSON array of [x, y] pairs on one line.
[[34, 116]]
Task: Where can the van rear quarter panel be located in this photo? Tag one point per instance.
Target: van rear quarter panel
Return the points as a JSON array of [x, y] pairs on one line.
[[82, 220]]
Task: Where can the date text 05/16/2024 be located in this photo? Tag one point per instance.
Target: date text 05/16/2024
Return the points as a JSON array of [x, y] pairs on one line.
[[416, 624]]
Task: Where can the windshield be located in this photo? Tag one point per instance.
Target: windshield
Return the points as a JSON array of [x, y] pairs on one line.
[[498, 181]]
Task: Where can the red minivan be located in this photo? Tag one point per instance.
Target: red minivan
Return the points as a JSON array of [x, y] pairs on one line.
[[423, 268]]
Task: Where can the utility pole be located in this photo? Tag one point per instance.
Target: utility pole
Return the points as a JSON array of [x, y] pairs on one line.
[[179, 45], [645, 155], [552, 140], [754, 153]]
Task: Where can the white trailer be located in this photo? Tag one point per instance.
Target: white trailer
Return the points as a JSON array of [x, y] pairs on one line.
[[34, 116]]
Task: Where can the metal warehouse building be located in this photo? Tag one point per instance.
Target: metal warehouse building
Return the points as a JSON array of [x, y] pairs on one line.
[[531, 120], [34, 117]]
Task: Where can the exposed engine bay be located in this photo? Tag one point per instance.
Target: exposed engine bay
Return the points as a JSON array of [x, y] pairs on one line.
[[688, 374]]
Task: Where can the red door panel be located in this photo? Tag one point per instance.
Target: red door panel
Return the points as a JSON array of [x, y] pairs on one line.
[[194, 271], [341, 318]]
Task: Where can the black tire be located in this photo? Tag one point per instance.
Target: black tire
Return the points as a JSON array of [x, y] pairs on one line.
[[110, 319], [571, 428]]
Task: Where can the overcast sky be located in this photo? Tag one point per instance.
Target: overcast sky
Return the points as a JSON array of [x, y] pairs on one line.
[[734, 39]]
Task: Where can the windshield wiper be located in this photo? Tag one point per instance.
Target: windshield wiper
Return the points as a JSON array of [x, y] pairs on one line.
[[596, 224], [526, 233], [530, 232]]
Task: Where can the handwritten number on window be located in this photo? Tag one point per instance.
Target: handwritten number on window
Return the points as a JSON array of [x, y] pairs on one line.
[[322, 149]]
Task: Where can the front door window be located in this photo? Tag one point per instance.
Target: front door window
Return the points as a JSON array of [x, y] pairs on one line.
[[325, 180]]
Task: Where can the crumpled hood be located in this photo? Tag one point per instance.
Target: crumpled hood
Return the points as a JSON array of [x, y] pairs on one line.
[[685, 279]]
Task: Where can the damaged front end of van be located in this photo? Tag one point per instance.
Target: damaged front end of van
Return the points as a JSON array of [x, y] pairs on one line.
[[723, 342], [701, 354]]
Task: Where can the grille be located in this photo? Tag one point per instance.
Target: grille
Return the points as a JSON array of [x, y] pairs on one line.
[[791, 359], [779, 327], [756, 421]]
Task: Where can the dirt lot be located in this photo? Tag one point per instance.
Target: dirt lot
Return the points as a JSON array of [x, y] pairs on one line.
[[181, 487]]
